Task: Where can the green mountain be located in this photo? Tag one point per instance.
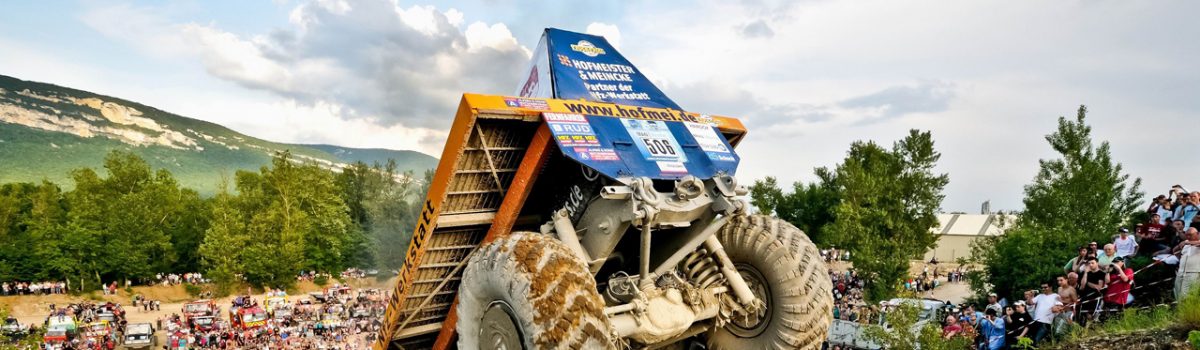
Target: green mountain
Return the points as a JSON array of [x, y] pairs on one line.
[[48, 130]]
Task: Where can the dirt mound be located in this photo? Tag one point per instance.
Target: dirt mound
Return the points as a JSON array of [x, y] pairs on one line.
[[1157, 339]]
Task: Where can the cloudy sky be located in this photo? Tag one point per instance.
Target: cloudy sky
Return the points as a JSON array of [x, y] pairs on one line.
[[989, 78]]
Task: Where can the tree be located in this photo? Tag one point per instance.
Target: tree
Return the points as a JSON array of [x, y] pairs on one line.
[[293, 217], [1080, 197], [221, 252], [31, 216], [808, 206], [887, 205], [904, 330], [132, 223]]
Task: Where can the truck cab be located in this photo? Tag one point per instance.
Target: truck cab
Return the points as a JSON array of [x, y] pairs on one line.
[[248, 318]]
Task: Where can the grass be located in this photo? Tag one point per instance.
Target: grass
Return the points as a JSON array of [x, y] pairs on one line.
[[1185, 315], [1189, 309]]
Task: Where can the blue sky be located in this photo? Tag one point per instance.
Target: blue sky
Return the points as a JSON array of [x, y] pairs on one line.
[[989, 78]]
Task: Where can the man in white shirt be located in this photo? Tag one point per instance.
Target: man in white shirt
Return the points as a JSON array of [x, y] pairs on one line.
[[1125, 244], [1045, 305]]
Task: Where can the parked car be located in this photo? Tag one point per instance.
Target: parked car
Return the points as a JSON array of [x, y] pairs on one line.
[[13, 328], [140, 336]]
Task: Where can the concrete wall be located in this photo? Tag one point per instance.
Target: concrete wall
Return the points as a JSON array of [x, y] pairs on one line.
[[951, 247]]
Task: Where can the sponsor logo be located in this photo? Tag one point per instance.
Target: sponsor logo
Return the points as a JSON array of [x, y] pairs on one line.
[[526, 103], [564, 117], [585, 47], [564, 60]]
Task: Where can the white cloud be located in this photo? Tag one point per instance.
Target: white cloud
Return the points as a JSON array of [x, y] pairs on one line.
[[481, 36], [371, 61], [610, 32], [988, 78]]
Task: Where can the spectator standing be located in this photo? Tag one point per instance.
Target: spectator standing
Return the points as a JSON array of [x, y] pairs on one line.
[[992, 328], [1044, 306], [1161, 206], [994, 303], [1191, 206], [1126, 246], [1093, 287], [1120, 280], [1077, 264], [1106, 256], [1018, 323], [1069, 297], [1151, 234]]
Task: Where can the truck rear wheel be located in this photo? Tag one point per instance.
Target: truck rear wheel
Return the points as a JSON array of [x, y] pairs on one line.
[[785, 270], [529, 291]]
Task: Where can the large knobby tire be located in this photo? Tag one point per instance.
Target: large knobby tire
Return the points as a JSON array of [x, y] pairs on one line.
[[530, 291], [785, 270]]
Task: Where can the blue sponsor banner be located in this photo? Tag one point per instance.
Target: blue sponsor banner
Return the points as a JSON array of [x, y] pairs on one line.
[[588, 67], [622, 147]]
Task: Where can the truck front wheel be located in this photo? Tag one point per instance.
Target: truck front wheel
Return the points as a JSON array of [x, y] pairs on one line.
[[529, 291], [785, 270]]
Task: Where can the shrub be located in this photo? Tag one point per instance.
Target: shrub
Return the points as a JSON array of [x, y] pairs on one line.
[[1194, 339], [1024, 343], [1163, 277], [1189, 309], [192, 289], [321, 280]]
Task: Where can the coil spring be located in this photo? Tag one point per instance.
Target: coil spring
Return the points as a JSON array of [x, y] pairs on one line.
[[701, 270]]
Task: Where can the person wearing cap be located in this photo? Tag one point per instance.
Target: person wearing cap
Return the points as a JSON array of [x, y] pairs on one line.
[[1120, 280], [1017, 323], [994, 303], [1125, 244]]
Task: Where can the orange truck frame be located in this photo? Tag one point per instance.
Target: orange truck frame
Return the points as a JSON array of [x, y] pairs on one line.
[[492, 158]]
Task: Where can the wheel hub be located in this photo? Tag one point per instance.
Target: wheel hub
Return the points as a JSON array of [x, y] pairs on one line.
[[751, 324], [499, 329]]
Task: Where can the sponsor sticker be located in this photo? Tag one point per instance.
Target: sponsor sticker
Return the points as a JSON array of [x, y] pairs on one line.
[[571, 130], [671, 167], [527, 103], [597, 154], [706, 136]]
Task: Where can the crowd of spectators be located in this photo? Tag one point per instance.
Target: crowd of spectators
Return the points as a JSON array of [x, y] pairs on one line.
[[348, 321], [833, 254], [33, 288], [172, 279], [848, 301], [1094, 284]]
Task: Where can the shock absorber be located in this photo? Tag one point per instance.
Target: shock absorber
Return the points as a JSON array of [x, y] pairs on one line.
[[700, 269]]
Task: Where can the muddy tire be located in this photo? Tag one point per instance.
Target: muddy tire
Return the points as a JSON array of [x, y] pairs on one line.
[[529, 291], [785, 270]]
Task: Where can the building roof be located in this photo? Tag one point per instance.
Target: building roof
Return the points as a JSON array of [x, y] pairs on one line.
[[968, 225]]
